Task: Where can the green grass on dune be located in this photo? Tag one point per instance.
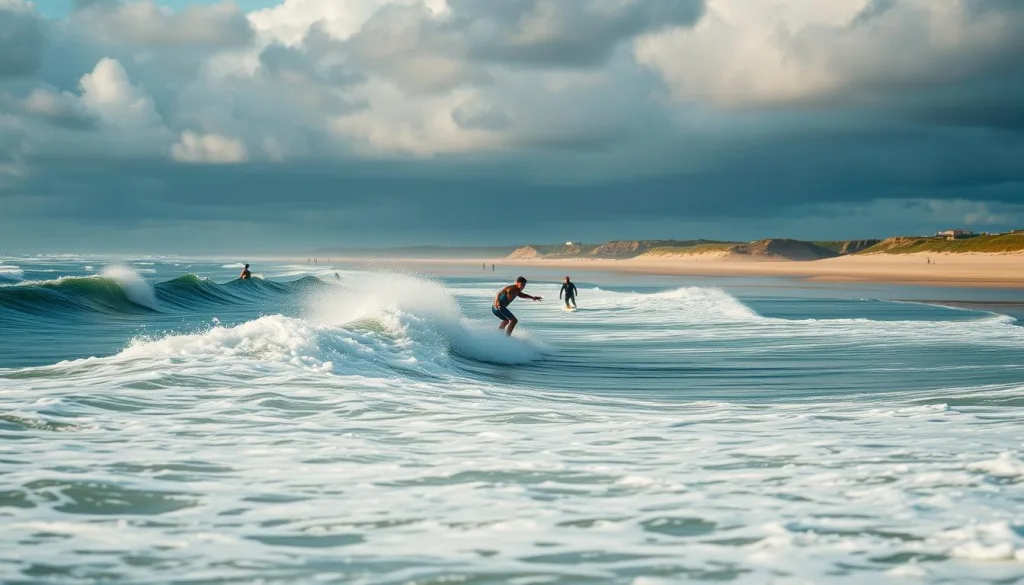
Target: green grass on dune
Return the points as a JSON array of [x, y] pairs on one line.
[[1002, 243], [834, 245], [685, 250], [563, 250]]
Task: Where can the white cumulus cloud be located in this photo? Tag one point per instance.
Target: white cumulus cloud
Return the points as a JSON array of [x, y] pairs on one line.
[[147, 24], [747, 53], [109, 94], [208, 148]]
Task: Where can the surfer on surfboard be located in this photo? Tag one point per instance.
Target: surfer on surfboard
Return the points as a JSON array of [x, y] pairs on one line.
[[506, 296], [570, 292]]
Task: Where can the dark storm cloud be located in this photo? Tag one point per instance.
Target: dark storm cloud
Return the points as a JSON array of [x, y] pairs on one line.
[[548, 33], [991, 97], [86, 4], [324, 207], [22, 42], [873, 10], [291, 65], [56, 110], [994, 6], [428, 54], [992, 102], [483, 116], [739, 179]]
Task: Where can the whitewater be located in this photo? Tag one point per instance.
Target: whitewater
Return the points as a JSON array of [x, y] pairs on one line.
[[162, 421]]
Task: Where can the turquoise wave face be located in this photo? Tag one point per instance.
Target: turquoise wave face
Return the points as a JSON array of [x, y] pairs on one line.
[[81, 315], [172, 422]]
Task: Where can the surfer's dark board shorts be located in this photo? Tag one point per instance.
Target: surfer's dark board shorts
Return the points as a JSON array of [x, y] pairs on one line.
[[503, 313]]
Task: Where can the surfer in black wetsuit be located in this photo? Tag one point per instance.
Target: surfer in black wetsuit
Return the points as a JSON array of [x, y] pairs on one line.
[[245, 275], [506, 296], [570, 292]]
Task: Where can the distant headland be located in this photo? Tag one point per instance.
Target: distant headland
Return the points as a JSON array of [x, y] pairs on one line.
[[947, 258], [782, 249]]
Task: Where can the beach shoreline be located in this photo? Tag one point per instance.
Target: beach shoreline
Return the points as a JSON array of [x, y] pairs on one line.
[[942, 269]]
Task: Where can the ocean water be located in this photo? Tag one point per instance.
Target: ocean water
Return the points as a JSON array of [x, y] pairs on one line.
[[162, 422]]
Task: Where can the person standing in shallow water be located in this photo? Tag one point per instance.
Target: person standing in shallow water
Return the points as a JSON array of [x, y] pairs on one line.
[[501, 302], [570, 293], [245, 275]]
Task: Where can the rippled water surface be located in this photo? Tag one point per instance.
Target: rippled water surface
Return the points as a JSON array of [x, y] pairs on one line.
[[161, 421]]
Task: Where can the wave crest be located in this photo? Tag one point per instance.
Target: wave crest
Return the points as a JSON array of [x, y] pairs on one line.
[[685, 304], [11, 273], [134, 287], [117, 293]]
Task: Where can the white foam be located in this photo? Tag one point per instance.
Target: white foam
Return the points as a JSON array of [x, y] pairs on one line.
[[107, 533], [994, 541], [634, 481], [423, 310], [709, 306], [235, 265], [910, 570], [273, 338], [11, 272], [382, 323], [1006, 465], [684, 304], [384, 344], [486, 343]]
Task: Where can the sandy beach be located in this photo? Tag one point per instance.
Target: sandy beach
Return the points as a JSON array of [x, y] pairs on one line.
[[981, 270], [956, 270]]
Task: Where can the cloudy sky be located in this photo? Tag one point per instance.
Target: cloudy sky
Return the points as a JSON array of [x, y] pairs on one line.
[[262, 125]]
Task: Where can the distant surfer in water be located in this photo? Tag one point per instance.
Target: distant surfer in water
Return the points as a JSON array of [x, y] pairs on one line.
[[570, 292], [506, 296], [245, 275]]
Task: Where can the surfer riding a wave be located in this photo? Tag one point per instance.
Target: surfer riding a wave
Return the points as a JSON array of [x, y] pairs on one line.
[[501, 302]]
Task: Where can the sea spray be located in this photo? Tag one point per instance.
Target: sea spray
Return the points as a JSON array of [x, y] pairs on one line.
[[380, 326], [691, 303], [422, 309], [134, 287]]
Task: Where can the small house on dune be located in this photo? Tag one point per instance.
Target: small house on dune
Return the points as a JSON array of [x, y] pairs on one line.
[[954, 234]]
